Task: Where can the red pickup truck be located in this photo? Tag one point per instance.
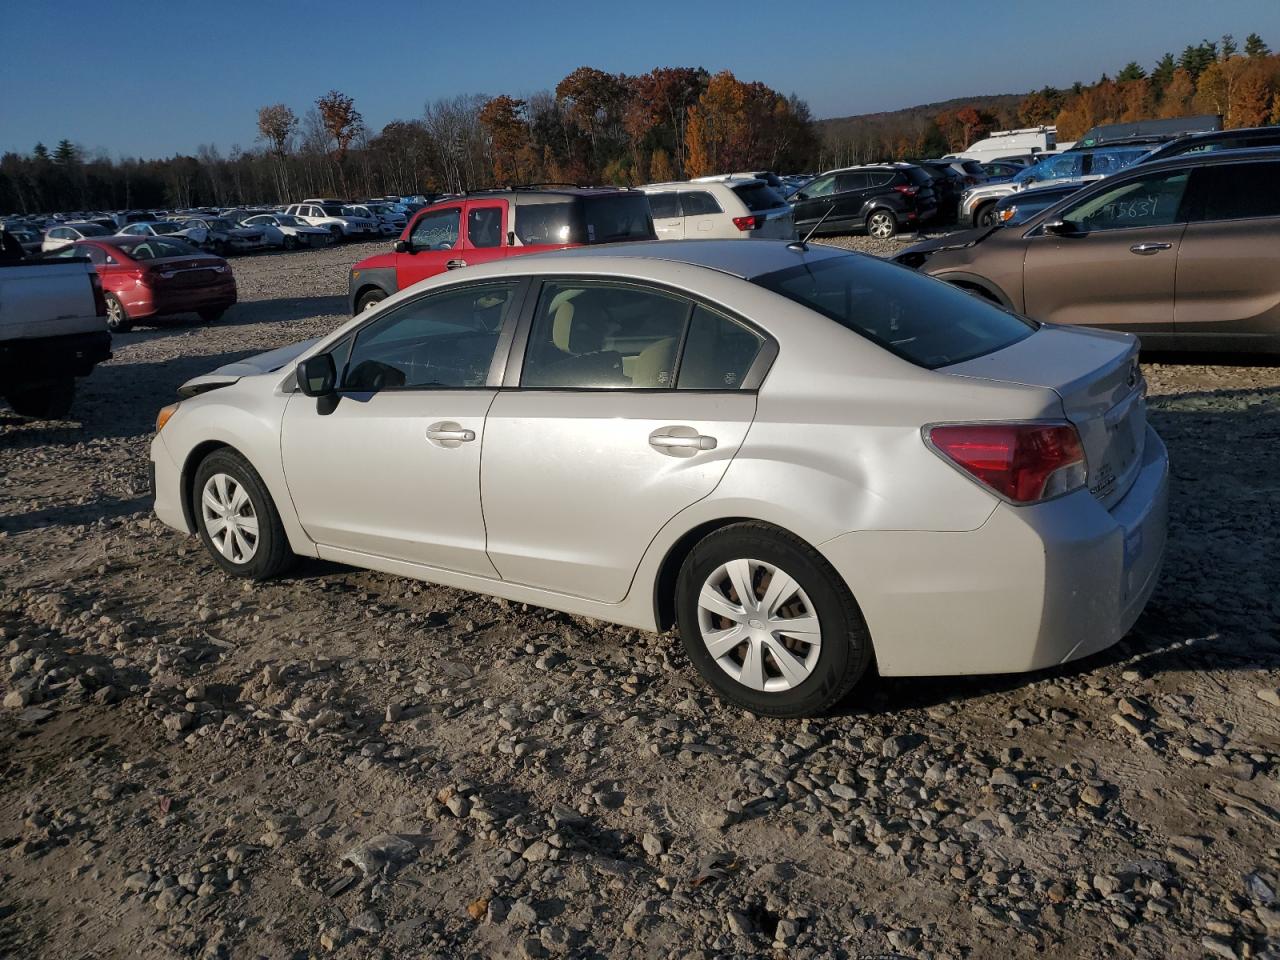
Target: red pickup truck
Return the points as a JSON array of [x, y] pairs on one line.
[[493, 224]]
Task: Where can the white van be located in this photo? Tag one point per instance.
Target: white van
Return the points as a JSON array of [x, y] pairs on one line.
[[726, 209]]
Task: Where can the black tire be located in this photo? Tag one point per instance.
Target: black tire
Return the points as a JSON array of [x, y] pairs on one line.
[[985, 215], [212, 316], [117, 319], [271, 555], [49, 401], [335, 231], [845, 652], [369, 299], [290, 242]]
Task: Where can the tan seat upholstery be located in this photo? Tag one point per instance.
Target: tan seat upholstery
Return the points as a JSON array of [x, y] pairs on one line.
[[653, 366]]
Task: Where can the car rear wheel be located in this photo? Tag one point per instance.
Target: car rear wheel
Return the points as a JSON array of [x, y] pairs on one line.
[[236, 519], [117, 319], [369, 300], [49, 401], [768, 623], [882, 224]]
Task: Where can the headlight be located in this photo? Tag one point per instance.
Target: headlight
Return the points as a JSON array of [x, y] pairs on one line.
[[163, 416], [1005, 215]]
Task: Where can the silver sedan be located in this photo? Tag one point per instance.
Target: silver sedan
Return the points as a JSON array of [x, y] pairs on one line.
[[805, 459]]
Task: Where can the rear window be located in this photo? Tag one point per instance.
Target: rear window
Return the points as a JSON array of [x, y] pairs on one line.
[[153, 248], [758, 196], [586, 220], [972, 167], [918, 176], [925, 321]]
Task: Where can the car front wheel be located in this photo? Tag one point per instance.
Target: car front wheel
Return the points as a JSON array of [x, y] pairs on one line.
[[236, 519], [768, 623], [370, 300]]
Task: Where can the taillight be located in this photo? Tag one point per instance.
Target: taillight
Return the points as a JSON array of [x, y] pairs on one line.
[[747, 223], [906, 190], [1022, 462], [99, 298]]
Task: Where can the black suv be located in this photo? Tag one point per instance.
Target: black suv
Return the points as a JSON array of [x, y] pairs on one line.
[[879, 198]]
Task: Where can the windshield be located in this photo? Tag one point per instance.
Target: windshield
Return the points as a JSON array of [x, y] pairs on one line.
[[153, 248], [218, 224], [286, 220], [925, 321], [1053, 168]]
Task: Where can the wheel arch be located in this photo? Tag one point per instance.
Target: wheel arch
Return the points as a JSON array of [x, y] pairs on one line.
[[979, 285], [187, 478]]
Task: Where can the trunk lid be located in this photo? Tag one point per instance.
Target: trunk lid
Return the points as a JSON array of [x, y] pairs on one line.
[[1103, 393]]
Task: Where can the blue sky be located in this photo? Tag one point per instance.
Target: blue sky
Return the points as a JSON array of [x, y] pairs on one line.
[[151, 78]]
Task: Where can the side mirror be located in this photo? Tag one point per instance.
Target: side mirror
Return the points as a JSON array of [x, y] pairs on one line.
[[403, 246], [799, 195], [1060, 228], [317, 376]]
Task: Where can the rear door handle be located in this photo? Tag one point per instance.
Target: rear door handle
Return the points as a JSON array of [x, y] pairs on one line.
[[696, 442], [1149, 248], [454, 264]]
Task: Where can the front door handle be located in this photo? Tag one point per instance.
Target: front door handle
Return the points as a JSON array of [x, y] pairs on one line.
[[454, 264], [449, 434], [696, 442], [1149, 248]]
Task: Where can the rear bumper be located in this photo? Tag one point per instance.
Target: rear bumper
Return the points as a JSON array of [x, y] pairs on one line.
[[1033, 587], [142, 302], [31, 361]]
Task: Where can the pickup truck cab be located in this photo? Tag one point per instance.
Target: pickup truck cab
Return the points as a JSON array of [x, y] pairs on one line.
[[492, 224], [52, 329]]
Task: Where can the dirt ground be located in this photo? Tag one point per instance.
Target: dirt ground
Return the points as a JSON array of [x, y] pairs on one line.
[[347, 764]]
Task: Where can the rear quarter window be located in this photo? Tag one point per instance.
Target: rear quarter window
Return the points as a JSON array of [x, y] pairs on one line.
[[924, 321]]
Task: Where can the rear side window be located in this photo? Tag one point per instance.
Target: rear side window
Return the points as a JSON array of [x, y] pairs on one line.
[[698, 203], [718, 352], [1238, 191], [850, 181], [543, 223], [622, 216], [437, 230], [604, 336], [664, 205], [757, 196], [926, 322], [484, 226]]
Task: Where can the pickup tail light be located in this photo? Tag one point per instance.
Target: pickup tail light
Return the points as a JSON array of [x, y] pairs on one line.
[[99, 298], [906, 191], [1022, 462], [748, 223]]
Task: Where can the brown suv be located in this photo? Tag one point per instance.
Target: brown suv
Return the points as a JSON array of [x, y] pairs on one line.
[[1184, 252]]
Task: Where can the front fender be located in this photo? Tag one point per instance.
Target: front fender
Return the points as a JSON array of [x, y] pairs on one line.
[[363, 279]]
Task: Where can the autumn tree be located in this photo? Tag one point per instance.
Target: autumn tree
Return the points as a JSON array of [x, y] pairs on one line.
[[1213, 89], [276, 126], [595, 103], [657, 113], [1040, 107], [343, 123], [1250, 101], [740, 126], [1178, 95], [515, 160]]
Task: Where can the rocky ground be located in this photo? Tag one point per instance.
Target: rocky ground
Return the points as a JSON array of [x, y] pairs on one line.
[[348, 764]]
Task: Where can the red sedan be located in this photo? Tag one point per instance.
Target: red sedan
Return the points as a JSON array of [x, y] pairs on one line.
[[150, 277]]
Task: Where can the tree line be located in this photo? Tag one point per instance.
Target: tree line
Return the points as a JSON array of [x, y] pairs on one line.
[[1211, 77], [596, 127], [593, 128]]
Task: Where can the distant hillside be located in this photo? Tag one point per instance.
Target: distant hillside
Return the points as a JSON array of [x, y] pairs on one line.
[[909, 131]]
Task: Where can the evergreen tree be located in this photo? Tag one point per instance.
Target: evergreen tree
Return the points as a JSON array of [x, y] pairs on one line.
[[1254, 47], [1227, 47], [1132, 71], [40, 152], [66, 154], [1163, 72]]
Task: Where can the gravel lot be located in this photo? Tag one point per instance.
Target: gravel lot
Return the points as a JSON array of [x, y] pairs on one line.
[[348, 764]]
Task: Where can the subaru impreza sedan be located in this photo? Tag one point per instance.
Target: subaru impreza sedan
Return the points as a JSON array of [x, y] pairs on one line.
[[804, 459]]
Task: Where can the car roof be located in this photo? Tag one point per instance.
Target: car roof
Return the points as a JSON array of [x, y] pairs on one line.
[[745, 260], [1209, 158], [733, 181]]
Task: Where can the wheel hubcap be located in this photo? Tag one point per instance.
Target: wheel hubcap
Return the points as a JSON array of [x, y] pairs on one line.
[[758, 625], [229, 518], [114, 312], [880, 226]]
